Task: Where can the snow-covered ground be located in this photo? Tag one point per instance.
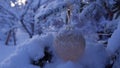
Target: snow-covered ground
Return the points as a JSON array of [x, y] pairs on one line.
[[32, 49], [5, 51], [21, 56]]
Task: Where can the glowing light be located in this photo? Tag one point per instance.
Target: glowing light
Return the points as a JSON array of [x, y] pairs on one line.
[[18, 2], [12, 4], [21, 2]]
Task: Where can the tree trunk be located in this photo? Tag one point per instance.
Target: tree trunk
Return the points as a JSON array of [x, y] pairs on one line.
[[8, 37]]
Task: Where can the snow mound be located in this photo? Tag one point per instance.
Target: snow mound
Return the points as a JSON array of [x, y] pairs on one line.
[[32, 50], [69, 65], [114, 41], [95, 56]]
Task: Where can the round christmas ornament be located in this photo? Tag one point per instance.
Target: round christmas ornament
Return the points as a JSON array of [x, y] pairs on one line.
[[69, 44]]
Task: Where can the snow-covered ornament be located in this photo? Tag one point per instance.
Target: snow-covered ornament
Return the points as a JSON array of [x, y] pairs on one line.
[[69, 44]]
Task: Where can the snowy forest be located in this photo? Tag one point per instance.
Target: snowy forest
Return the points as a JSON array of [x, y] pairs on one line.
[[59, 33]]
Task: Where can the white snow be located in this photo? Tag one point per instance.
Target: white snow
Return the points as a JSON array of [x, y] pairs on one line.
[[24, 53], [95, 55], [5, 51], [114, 41]]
